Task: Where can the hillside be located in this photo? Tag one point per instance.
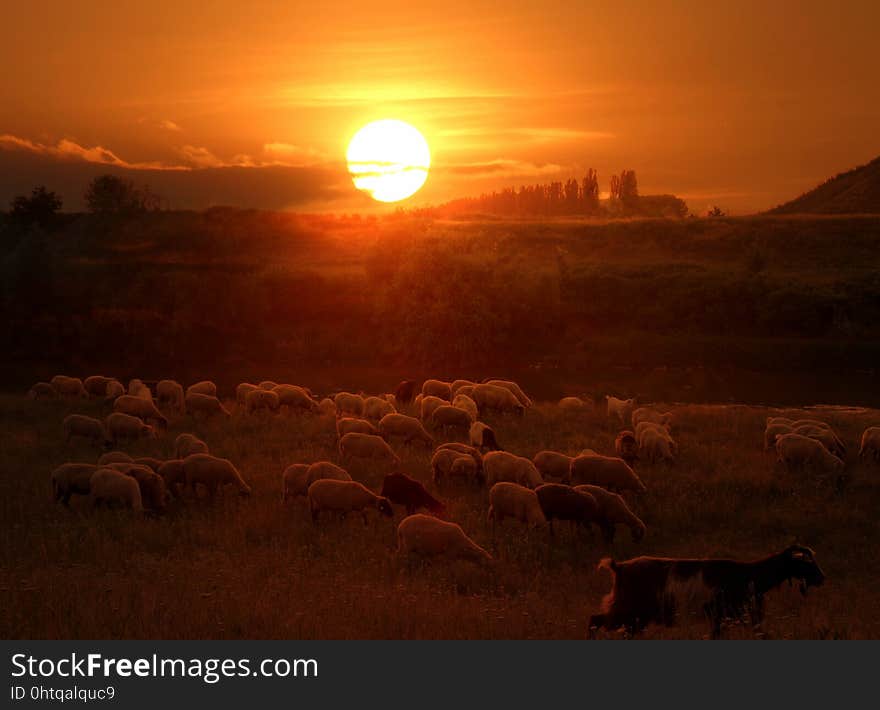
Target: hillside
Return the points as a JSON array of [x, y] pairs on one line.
[[856, 191]]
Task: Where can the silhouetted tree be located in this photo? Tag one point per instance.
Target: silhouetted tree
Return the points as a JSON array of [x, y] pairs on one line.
[[590, 192], [629, 190], [716, 211], [111, 194], [40, 208]]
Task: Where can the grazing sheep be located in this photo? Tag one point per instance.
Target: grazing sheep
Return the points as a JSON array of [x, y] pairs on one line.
[[262, 401], [136, 388], [870, 444], [626, 446], [608, 472], [125, 426], [779, 420], [186, 444], [553, 465], [451, 420], [349, 424], [170, 393], [204, 404], [367, 446], [112, 488], [114, 457], [449, 463], [463, 402], [466, 390], [573, 404], [391, 399], [809, 422], [613, 510], [437, 388], [345, 497], [86, 427], [96, 385], [348, 404], [293, 481], [327, 407], [212, 472], [661, 590], [154, 494], [150, 462], [482, 436], [428, 404], [826, 435], [375, 408], [797, 452], [405, 392], [174, 476], [504, 466], [70, 478], [141, 408], [42, 390], [401, 426], [492, 398], [427, 536], [69, 386], [294, 397], [241, 392], [205, 387], [456, 386], [561, 502], [114, 390], [511, 500], [648, 414], [620, 408], [403, 490], [465, 449], [773, 430], [267, 385], [514, 389], [655, 447]]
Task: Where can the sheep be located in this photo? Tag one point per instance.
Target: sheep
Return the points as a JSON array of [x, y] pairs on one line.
[[110, 487], [348, 404], [96, 385], [114, 457], [86, 427], [70, 478], [655, 447], [170, 393], [511, 500], [186, 444], [449, 463], [514, 389], [136, 387], [345, 425], [173, 474], [141, 408], [482, 436], [606, 471], [826, 435], [42, 390], [69, 386], [344, 497], [427, 536], [327, 407], [626, 447], [437, 388], [410, 429], [125, 426], [573, 404], [403, 490], [471, 451], [297, 477], [504, 466], [241, 392], [647, 414], [553, 465], [869, 448], [113, 391], [294, 397], [366, 446], [205, 387], [496, 399], [466, 390], [152, 487], [150, 462], [620, 408], [428, 404], [463, 402], [796, 452], [292, 481], [375, 408], [773, 430], [456, 386], [613, 510], [661, 590], [262, 401], [204, 404], [267, 385], [779, 420], [451, 420], [212, 472], [405, 391]]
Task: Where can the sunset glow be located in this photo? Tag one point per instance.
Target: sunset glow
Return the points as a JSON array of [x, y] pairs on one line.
[[389, 160]]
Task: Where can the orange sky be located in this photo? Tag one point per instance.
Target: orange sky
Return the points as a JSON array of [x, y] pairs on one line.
[[744, 104]]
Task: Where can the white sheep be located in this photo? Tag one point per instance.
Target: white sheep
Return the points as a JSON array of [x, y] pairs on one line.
[[96, 385], [427, 536], [348, 404], [648, 414], [451, 420], [573, 404], [462, 401], [367, 446], [613, 510], [170, 393], [428, 404], [297, 477], [70, 478], [774, 429], [327, 407], [114, 457], [69, 386], [869, 448], [86, 427], [154, 494], [267, 385], [826, 435], [482, 437], [608, 472], [437, 388], [294, 397], [797, 452], [262, 401], [114, 390], [136, 386], [212, 472], [345, 425], [655, 446], [511, 500], [504, 466], [457, 385], [497, 399], [345, 497], [514, 389], [174, 476], [471, 451], [42, 390], [779, 420], [292, 480], [450, 463], [140, 407], [205, 387], [376, 407], [401, 426], [241, 392], [620, 408], [553, 465], [186, 444], [206, 404], [125, 426], [112, 488]]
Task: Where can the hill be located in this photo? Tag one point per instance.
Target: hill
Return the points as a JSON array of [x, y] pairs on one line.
[[856, 191]]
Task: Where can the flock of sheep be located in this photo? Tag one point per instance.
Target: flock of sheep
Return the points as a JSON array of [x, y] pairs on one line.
[[585, 490]]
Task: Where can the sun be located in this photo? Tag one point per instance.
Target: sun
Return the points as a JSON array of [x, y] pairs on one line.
[[388, 159]]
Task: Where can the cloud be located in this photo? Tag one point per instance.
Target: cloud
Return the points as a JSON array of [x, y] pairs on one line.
[[67, 149], [169, 125], [293, 154], [501, 168]]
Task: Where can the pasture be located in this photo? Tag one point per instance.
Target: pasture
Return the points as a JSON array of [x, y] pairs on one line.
[[257, 568]]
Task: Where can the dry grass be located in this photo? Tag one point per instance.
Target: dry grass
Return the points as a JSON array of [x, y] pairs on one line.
[[257, 569]]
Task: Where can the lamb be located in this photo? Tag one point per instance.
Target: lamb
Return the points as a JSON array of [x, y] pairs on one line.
[[608, 472], [553, 465], [114, 457], [613, 510], [204, 404], [186, 444], [659, 590], [86, 427], [152, 487], [344, 497], [267, 385], [112, 488], [410, 429], [796, 452], [451, 420], [482, 436], [141, 408], [870, 444], [655, 447], [462, 401], [773, 430], [573, 404], [427, 536], [125, 426], [349, 424], [205, 387], [427, 406], [375, 408], [262, 401], [327, 407], [366, 446], [403, 490], [69, 386], [498, 399], [348, 404], [42, 390], [561, 502], [511, 500], [114, 391], [405, 392], [826, 435], [647, 414], [297, 477], [70, 478], [96, 385], [620, 408], [626, 447], [212, 472], [437, 388], [170, 393], [449, 463], [504, 466], [514, 389], [294, 397], [173, 474]]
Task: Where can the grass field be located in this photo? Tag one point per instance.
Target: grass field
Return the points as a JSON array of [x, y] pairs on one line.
[[254, 568]]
